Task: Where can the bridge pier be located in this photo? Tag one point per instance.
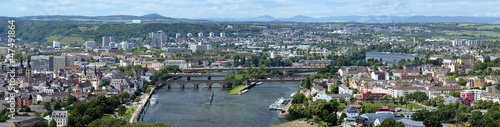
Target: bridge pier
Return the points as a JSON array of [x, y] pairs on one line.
[[209, 78], [188, 78]]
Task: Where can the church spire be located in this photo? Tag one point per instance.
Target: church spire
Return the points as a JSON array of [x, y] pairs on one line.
[[84, 70], [21, 62], [29, 65]]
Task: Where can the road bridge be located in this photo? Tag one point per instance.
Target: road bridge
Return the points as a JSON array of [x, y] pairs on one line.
[[284, 69]]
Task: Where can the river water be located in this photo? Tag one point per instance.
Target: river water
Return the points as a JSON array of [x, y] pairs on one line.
[[392, 56], [191, 107]]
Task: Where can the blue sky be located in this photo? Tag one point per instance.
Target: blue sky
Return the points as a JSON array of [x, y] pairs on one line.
[[196, 9]]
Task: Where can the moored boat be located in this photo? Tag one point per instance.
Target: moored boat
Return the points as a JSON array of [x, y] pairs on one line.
[[154, 100]]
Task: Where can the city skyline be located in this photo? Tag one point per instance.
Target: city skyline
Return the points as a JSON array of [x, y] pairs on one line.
[[194, 9]]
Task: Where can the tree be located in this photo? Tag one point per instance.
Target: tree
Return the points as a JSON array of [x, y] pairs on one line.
[[40, 124], [124, 96], [462, 82], [52, 123], [121, 110], [47, 106], [298, 98], [432, 121], [92, 89], [476, 119], [57, 106], [71, 99]]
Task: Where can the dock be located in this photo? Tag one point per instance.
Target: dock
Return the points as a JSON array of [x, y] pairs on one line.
[[144, 101]]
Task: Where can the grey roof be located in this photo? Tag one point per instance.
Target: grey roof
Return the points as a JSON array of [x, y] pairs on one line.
[[350, 109]]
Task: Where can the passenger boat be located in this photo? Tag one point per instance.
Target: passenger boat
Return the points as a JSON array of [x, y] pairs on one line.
[[154, 100], [259, 83]]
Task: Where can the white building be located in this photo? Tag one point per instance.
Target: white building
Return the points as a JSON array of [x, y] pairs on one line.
[[189, 35], [181, 63], [211, 34], [178, 35], [350, 111], [222, 35], [56, 44], [200, 34], [345, 90], [61, 117], [476, 93], [495, 97], [402, 91]]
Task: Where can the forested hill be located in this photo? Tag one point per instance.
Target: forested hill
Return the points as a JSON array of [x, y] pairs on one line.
[[75, 34]]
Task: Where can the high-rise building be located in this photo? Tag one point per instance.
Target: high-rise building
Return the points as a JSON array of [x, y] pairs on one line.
[[211, 34], [222, 35], [157, 39], [189, 35], [59, 62], [178, 35], [89, 44], [56, 44], [50, 63], [42, 63], [200, 34], [106, 40]]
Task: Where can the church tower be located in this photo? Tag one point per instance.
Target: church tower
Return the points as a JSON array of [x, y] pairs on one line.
[[95, 79], [28, 73], [84, 75]]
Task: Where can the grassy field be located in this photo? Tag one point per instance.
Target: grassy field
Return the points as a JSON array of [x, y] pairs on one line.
[[93, 28], [453, 124], [475, 33], [298, 123], [237, 89], [129, 112], [375, 106], [73, 39]]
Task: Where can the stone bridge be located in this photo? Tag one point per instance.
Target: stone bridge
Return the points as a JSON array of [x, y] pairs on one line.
[[281, 77], [196, 84]]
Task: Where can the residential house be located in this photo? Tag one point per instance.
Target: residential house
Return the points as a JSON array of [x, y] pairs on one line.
[[465, 61], [351, 111], [61, 117], [318, 89]]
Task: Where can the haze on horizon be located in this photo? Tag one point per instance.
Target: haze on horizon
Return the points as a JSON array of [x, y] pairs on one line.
[[199, 9]]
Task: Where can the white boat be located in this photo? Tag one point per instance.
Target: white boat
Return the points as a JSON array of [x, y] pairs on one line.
[[154, 100], [259, 83]]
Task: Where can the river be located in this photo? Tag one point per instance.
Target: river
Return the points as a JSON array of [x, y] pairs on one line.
[[391, 56], [191, 107]]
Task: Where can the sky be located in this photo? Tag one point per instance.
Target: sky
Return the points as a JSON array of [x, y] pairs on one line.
[[199, 9]]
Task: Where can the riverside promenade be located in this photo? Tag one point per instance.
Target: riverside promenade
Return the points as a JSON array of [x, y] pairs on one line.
[[140, 106]]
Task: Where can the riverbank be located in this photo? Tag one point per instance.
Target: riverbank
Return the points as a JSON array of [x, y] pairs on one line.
[[237, 90], [294, 123], [140, 106]]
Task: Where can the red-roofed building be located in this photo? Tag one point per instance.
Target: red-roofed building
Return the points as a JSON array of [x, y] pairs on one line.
[[373, 95]]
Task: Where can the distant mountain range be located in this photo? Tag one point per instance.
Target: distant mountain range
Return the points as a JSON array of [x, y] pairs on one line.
[[368, 19], [264, 18]]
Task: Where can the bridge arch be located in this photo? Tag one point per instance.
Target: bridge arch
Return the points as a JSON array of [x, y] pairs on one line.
[[216, 85], [175, 85], [202, 85], [190, 86]]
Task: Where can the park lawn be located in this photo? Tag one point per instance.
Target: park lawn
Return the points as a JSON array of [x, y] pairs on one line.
[[129, 112], [298, 123], [453, 124], [237, 89], [378, 105]]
